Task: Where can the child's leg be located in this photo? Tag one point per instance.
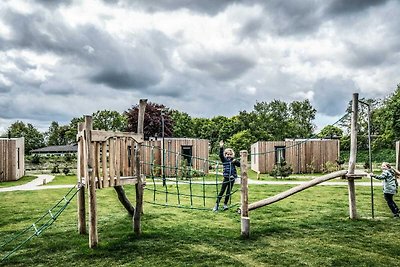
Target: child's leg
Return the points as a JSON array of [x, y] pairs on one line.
[[392, 205], [223, 188], [228, 191]]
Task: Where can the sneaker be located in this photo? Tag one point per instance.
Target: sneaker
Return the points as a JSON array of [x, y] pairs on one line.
[[225, 207], [215, 208]]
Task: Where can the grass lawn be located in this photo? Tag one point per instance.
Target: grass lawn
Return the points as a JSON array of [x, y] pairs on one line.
[[64, 179], [21, 181], [310, 228]]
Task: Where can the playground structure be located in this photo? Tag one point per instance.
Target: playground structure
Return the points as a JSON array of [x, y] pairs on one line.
[[108, 159], [114, 159], [349, 174], [12, 164]]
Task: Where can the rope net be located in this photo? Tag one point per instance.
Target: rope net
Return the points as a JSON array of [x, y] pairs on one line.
[[185, 181]]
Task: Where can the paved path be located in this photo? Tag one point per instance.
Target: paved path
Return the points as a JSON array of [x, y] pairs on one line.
[[36, 184]]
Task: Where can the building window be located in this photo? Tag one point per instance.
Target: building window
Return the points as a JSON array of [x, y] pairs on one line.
[[280, 154], [186, 152]]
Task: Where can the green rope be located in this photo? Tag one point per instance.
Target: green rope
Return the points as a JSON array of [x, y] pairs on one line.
[[37, 230]]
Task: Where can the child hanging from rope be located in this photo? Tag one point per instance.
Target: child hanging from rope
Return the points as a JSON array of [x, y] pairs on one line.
[[229, 172], [389, 186]]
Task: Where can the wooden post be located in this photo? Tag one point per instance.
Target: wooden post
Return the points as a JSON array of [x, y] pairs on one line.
[[139, 184], [81, 192], [245, 219], [93, 236], [353, 157]]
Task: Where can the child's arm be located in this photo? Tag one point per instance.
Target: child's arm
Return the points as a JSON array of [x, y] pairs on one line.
[[221, 151]]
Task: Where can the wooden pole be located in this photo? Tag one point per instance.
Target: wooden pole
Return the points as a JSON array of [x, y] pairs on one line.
[[245, 219], [93, 236], [139, 184], [352, 159], [81, 192]]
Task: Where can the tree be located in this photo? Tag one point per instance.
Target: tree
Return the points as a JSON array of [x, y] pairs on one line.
[[386, 121], [152, 120], [109, 120], [33, 138], [300, 120], [182, 124], [330, 131], [57, 135], [241, 141]]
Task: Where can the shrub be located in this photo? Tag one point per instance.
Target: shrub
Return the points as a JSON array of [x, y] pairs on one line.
[[55, 169], [66, 170], [281, 170], [35, 159]]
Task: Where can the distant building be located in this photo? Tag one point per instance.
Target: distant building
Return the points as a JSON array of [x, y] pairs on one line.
[[304, 156], [56, 150], [12, 164], [177, 152]]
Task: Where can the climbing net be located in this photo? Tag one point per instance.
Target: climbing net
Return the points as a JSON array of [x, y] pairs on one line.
[[184, 181]]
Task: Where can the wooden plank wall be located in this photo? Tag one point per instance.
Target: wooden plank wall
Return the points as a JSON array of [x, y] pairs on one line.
[[173, 156], [113, 159], [12, 162], [301, 155], [150, 158]]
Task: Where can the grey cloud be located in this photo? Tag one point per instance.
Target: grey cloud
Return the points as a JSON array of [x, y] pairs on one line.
[[221, 66], [343, 7], [211, 7], [109, 61], [331, 96]]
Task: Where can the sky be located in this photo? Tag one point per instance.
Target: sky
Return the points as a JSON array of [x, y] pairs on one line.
[[66, 58]]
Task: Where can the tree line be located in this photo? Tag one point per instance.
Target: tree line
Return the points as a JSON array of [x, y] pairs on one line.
[[268, 121]]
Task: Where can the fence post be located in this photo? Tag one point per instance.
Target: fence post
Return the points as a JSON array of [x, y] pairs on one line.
[[93, 236], [139, 184], [245, 219], [81, 192], [352, 159]]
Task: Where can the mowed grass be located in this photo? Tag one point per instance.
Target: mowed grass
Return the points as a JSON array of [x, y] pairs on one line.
[[310, 228], [23, 180]]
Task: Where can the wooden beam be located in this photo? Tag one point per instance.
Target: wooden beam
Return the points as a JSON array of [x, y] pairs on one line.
[[139, 185], [93, 235], [353, 158], [245, 220], [81, 192], [296, 189], [102, 136]]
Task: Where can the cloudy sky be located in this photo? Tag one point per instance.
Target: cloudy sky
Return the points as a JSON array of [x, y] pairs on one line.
[[63, 59]]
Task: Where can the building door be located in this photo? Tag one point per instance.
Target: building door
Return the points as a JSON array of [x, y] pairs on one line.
[[187, 155]]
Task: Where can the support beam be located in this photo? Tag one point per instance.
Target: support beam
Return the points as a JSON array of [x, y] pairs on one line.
[[139, 185], [81, 192], [353, 158], [93, 235], [245, 220], [124, 199]]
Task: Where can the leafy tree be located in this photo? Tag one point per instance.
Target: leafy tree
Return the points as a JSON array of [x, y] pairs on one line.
[[152, 120], [33, 138], [330, 131], [386, 121], [109, 120], [300, 120], [182, 124], [57, 135], [241, 141]]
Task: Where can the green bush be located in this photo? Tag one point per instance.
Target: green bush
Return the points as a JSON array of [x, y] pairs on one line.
[[281, 170]]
